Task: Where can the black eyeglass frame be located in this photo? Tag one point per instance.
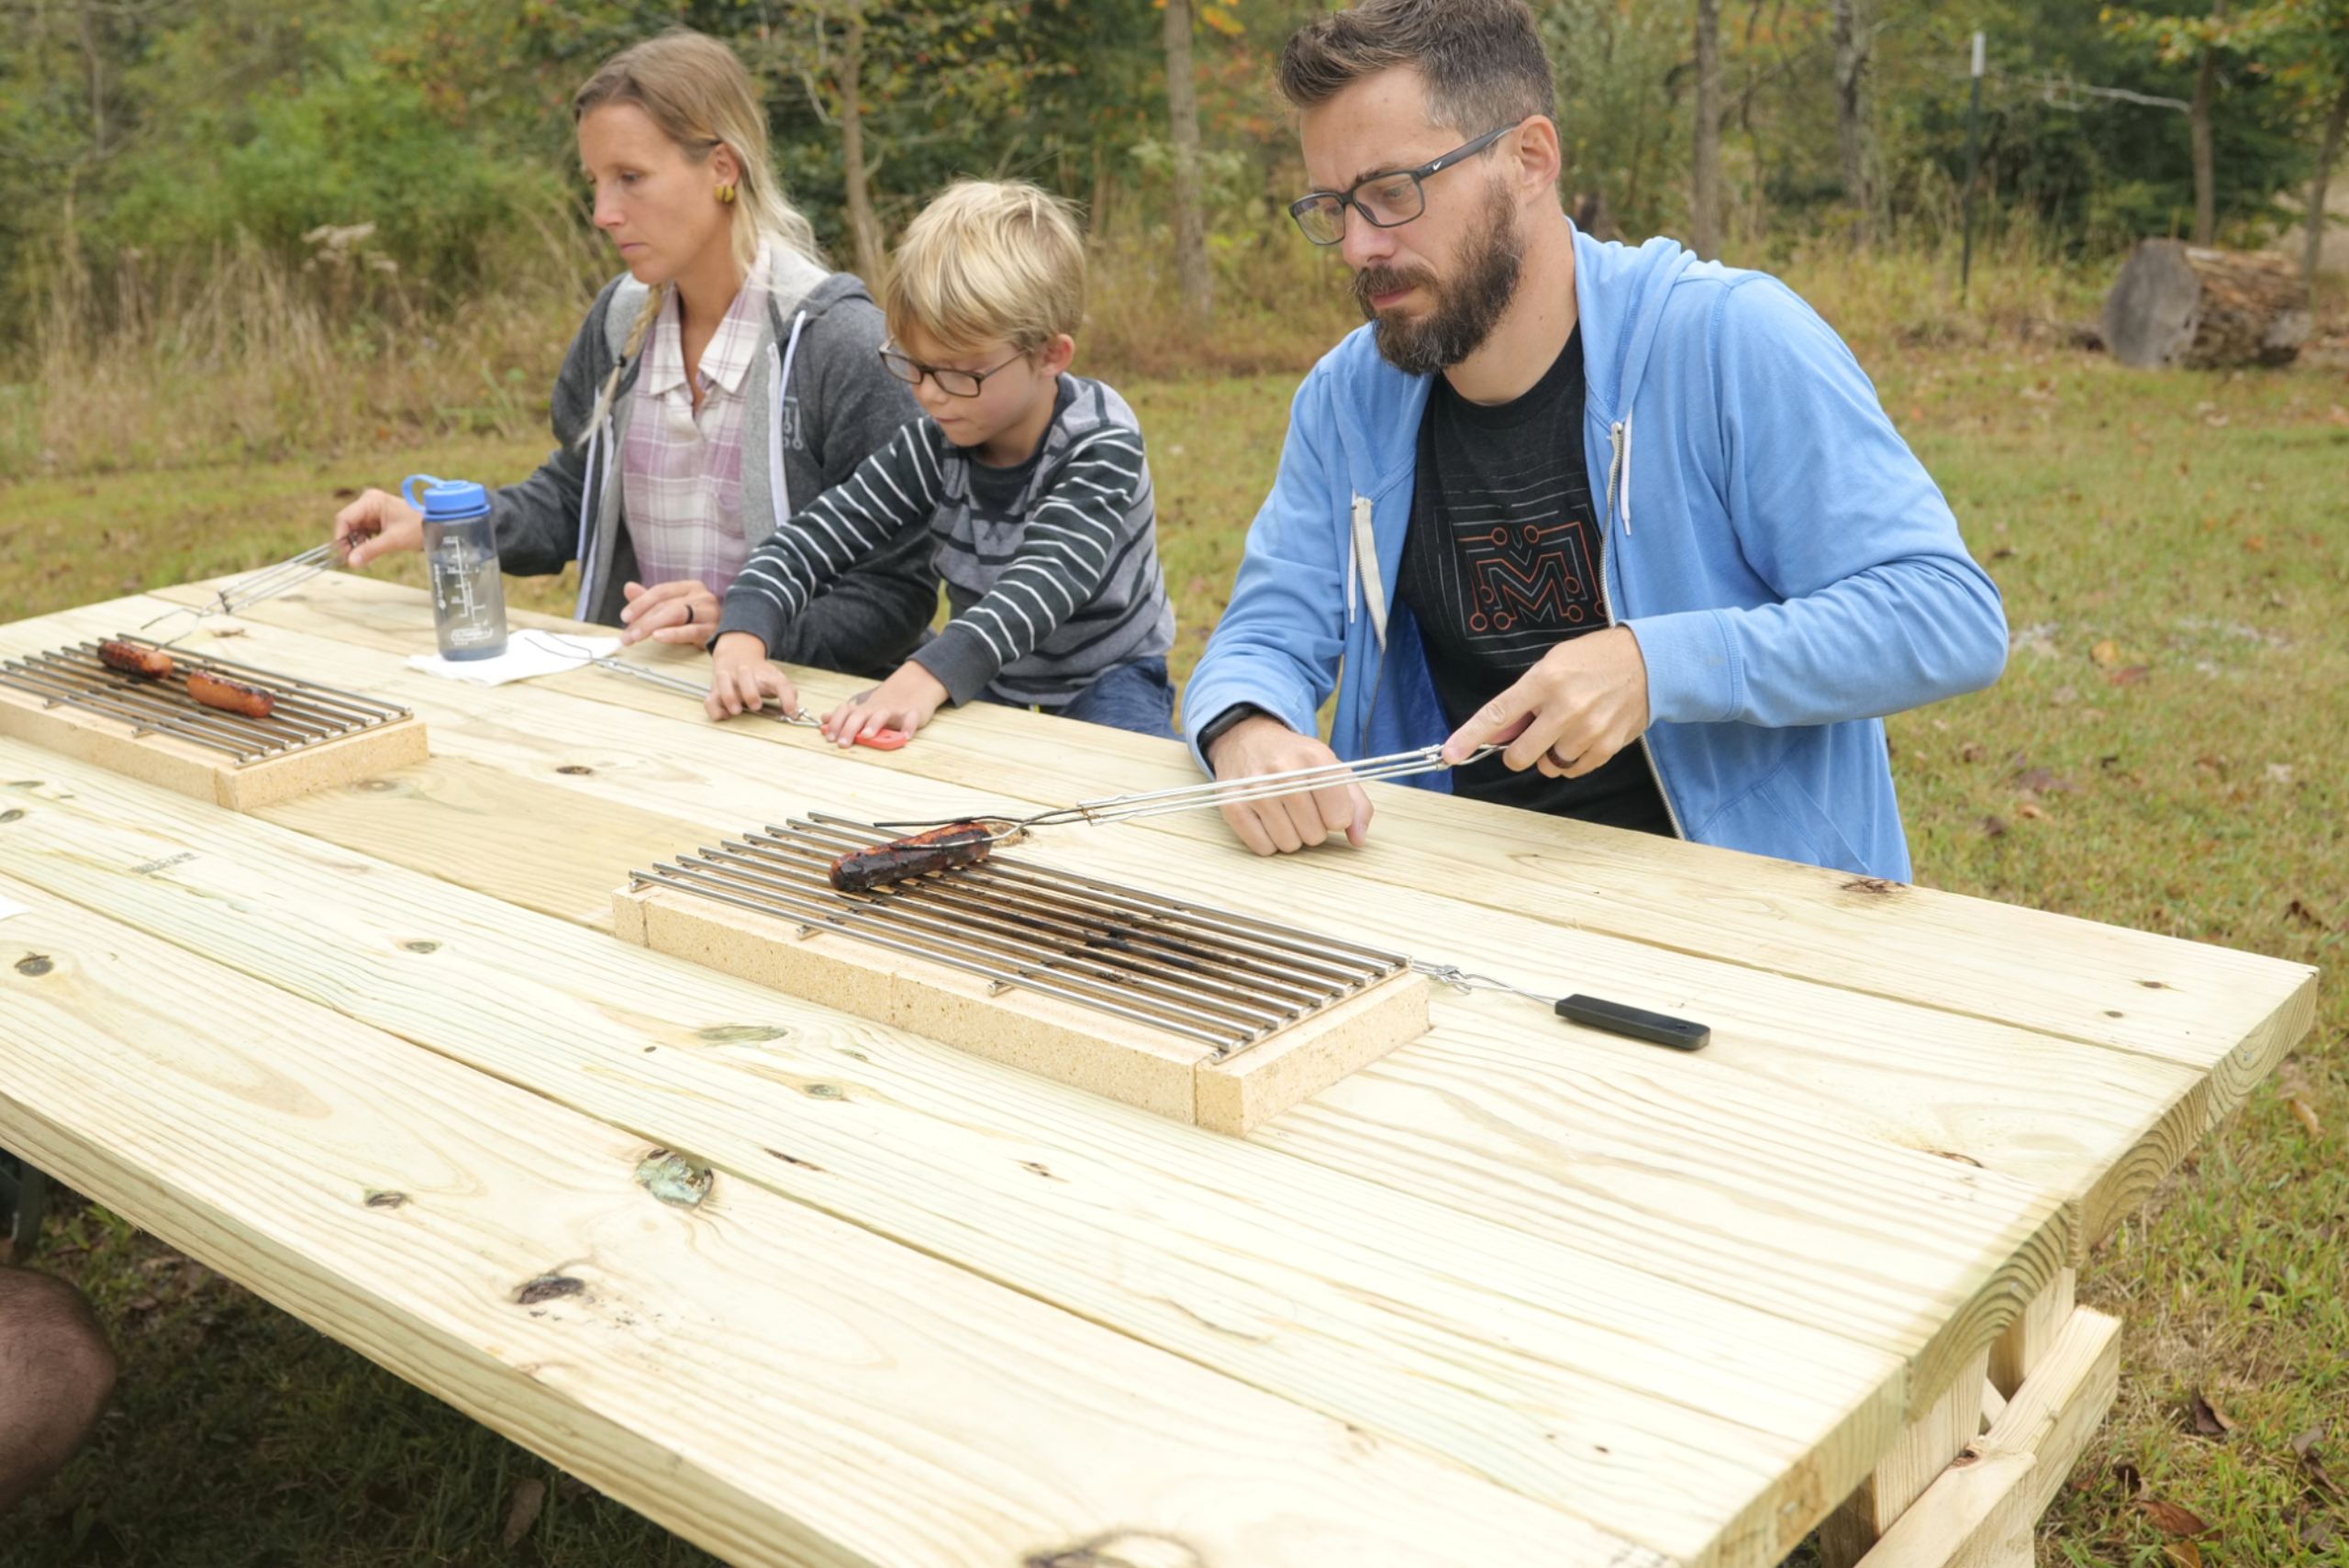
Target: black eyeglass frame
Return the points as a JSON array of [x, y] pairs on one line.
[[1419, 176], [891, 357]]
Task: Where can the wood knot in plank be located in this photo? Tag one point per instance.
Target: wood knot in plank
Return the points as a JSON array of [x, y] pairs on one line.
[[549, 1287], [676, 1179], [385, 1200], [742, 1034], [13, 814], [421, 947], [576, 769], [1120, 1549], [1876, 886], [33, 965]]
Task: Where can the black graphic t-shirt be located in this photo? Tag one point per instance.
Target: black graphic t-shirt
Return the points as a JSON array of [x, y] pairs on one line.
[[1501, 563]]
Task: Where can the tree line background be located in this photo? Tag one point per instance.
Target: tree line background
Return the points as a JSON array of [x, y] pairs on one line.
[[197, 182]]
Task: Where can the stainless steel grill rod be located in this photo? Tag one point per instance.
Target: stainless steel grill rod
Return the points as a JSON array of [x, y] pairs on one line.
[[1303, 942], [1167, 924], [1245, 1021], [1075, 943], [848, 923], [147, 715]]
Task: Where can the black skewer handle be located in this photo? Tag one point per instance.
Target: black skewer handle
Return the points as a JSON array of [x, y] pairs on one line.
[[1656, 1028]]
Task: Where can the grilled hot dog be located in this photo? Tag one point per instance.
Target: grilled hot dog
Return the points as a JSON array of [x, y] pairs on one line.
[[229, 697], [133, 659], [941, 848]]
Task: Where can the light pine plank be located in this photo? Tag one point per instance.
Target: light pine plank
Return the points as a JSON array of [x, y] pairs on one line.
[[1499, 1111], [1574, 1378], [1970, 956], [1867, 1074], [2004, 1096], [776, 1385], [1810, 1050]]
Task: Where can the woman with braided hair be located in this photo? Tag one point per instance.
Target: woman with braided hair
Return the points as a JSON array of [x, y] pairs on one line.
[[725, 378]]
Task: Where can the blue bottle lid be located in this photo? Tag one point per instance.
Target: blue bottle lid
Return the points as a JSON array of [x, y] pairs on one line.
[[446, 500]]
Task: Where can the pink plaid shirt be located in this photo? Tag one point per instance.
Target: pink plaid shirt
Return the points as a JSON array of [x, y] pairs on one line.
[[681, 477]]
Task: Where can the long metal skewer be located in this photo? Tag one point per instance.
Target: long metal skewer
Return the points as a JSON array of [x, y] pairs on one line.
[[880, 739], [1216, 792], [265, 584]]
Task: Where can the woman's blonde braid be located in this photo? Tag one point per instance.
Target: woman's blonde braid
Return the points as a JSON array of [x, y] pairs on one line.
[[645, 317]]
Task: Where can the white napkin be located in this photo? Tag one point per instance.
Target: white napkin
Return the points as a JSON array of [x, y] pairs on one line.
[[528, 653]]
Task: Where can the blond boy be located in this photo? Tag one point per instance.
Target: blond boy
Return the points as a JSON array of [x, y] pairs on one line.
[[1030, 481]]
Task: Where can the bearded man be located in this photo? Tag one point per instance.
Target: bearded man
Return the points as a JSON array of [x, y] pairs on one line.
[[1636, 518]]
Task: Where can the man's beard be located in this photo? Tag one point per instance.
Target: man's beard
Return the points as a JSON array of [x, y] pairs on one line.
[[1466, 309]]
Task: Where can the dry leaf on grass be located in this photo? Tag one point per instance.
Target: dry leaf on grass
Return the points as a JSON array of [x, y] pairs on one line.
[[529, 1496], [2172, 1518], [2029, 810], [2184, 1553], [2306, 1113], [2304, 915], [2130, 674], [1994, 826], [2312, 1464], [2204, 1414], [2106, 652]]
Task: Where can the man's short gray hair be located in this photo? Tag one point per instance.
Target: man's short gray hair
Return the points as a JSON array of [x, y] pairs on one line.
[[1482, 60]]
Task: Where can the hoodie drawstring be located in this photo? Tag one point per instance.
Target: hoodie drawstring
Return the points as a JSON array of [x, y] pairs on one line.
[[1618, 472], [778, 378], [1362, 563], [586, 504]]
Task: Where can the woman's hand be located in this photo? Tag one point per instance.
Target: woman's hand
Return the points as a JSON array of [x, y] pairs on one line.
[[740, 677], [905, 702], [682, 612], [378, 524]]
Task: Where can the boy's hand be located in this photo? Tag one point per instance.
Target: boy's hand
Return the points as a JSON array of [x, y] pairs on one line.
[[1282, 824], [683, 612], [905, 702], [378, 524], [740, 677]]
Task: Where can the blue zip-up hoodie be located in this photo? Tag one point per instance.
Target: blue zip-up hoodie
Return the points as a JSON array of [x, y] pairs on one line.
[[1791, 572]]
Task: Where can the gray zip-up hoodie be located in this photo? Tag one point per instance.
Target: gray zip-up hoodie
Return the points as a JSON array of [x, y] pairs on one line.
[[818, 357]]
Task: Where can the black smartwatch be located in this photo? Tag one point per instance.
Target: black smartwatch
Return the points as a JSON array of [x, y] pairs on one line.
[[1223, 722]]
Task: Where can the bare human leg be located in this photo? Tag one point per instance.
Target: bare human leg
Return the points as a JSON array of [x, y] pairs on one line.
[[55, 1374]]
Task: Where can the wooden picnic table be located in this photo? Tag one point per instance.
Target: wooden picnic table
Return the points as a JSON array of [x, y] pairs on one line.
[[1518, 1294]]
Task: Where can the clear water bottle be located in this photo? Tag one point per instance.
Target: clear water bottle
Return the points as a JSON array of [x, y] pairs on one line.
[[461, 553]]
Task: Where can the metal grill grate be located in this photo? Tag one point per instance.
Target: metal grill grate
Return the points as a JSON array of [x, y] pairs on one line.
[[1227, 980], [304, 715]]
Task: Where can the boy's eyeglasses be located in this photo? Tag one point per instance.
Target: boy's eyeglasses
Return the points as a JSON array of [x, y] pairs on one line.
[[954, 382], [1385, 201]]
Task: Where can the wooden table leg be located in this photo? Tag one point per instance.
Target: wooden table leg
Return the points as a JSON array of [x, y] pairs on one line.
[[24, 1204], [1984, 1510], [1924, 1451]]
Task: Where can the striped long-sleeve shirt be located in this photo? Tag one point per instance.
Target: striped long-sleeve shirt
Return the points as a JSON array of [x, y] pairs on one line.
[[1046, 592]]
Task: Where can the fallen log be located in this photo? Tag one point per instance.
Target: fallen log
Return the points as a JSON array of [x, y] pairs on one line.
[[2203, 308]]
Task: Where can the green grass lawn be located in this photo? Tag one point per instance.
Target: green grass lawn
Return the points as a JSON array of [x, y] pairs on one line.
[[2166, 751]]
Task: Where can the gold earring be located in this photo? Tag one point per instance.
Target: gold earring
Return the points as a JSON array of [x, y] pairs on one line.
[[726, 195]]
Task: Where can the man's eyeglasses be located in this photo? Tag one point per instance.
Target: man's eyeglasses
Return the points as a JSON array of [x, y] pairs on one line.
[[1385, 201], [954, 382]]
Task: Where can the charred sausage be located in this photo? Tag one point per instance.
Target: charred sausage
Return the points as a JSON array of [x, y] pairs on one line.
[[229, 697], [941, 848], [134, 658]]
